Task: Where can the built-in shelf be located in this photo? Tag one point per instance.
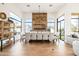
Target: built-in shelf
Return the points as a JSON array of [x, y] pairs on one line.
[[5, 32]]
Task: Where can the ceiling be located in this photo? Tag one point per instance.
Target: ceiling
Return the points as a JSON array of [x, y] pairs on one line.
[[34, 7], [44, 7]]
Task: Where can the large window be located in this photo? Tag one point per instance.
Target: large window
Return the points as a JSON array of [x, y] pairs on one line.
[[51, 25], [28, 24], [17, 22], [18, 27], [75, 23], [60, 27]]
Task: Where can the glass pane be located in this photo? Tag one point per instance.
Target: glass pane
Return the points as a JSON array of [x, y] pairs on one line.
[[61, 18], [61, 27], [28, 27], [74, 25], [62, 24], [74, 16], [50, 20], [28, 24], [51, 27], [74, 22], [58, 26], [28, 20], [17, 22], [15, 17]]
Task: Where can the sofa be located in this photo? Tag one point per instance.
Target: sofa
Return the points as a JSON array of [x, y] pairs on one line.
[[71, 37], [74, 41], [70, 40], [75, 45]]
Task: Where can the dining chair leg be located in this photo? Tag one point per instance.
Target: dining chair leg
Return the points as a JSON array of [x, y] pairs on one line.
[[53, 41], [25, 41]]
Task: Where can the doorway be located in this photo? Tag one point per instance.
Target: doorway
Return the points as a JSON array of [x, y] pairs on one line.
[[61, 28]]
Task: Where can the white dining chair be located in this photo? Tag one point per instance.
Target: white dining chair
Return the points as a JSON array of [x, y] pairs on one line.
[[27, 39], [75, 46], [51, 37], [33, 35], [45, 35], [23, 37], [39, 35]]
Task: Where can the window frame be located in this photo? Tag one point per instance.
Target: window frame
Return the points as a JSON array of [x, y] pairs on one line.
[[78, 21]]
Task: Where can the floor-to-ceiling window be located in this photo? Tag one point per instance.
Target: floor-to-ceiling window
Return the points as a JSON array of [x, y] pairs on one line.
[[28, 25], [51, 25], [60, 27], [18, 27], [75, 23]]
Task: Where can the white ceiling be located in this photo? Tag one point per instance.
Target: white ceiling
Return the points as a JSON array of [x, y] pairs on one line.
[[44, 7]]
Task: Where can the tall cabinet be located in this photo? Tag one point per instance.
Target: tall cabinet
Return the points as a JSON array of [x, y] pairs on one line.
[[5, 33]]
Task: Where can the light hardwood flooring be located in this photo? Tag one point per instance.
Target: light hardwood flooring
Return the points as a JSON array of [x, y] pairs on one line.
[[38, 49]]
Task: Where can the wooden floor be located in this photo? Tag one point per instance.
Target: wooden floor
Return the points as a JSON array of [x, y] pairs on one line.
[[38, 49]]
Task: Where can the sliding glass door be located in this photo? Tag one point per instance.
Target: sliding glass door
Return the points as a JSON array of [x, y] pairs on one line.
[[60, 27]]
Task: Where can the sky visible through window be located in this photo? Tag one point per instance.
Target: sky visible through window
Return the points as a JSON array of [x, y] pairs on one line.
[[51, 25], [62, 22], [28, 24], [17, 21]]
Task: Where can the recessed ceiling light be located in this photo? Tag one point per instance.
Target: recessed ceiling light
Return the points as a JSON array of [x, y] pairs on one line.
[[50, 5], [28, 5], [2, 3], [38, 5]]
